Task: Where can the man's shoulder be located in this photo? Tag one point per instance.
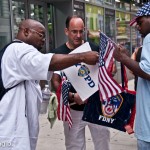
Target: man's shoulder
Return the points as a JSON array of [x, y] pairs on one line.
[[94, 47], [146, 39], [60, 50]]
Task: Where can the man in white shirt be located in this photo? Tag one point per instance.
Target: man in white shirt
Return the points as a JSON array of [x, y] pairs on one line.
[[24, 65], [142, 70]]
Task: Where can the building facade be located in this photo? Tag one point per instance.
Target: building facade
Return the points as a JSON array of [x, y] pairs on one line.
[[110, 16]]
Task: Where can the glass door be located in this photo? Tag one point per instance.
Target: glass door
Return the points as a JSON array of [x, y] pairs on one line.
[[110, 23], [50, 23], [43, 13], [5, 36], [37, 12], [18, 12]]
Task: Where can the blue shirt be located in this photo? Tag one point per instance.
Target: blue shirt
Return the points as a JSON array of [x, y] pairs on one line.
[[142, 124]]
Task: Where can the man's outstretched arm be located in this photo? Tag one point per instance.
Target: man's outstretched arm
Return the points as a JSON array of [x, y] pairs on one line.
[[121, 56], [62, 61]]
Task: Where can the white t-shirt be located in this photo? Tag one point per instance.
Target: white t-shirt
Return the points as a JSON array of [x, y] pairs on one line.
[[142, 123], [19, 107]]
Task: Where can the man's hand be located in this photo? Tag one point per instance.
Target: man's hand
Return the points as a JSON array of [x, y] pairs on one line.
[[120, 53], [62, 61], [77, 99], [90, 57]]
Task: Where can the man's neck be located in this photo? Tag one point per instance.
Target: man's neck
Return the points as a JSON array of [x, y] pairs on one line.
[[71, 47]]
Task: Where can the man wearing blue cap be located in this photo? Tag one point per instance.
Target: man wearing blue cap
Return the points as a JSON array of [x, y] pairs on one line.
[[141, 69]]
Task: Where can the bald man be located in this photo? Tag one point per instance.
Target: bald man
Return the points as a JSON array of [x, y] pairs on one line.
[[75, 136], [23, 65]]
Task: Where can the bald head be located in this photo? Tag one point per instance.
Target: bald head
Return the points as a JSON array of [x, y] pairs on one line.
[[70, 18], [32, 32], [29, 23], [74, 31]]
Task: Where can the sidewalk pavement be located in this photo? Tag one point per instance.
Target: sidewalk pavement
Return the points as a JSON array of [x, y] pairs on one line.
[[53, 139]]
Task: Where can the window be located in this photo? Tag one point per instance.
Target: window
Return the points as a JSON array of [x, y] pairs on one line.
[[110, 23], [94, 22], [50, 27], [110, 2], [5, 36], [18, 9], [79, 9], [122, 29]]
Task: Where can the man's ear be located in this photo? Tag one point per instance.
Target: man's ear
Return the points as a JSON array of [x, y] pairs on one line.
[[26, 31], [66, 31]]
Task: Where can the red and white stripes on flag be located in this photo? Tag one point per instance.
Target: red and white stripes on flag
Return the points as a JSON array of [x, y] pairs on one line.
[[63, 110], [108, 87]]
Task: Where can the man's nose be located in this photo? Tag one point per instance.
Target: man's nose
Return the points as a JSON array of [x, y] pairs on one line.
[[79, 33]]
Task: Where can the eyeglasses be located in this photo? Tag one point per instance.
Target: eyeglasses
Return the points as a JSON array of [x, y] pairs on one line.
[[75, 32], [42, 36]]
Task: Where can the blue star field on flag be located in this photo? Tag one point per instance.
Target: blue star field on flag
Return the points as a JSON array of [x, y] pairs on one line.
[[65, 91]]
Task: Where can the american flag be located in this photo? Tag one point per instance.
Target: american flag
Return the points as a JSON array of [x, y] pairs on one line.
[[108, 87], [63, 110]]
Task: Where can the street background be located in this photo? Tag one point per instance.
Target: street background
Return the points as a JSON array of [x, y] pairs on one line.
[[53, 139]]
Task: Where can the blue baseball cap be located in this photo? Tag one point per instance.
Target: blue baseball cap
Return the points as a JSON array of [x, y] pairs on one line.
[[143, 11]]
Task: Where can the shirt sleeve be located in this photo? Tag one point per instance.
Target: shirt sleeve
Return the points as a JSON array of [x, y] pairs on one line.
[[57, 72], [23, 62], [145, 55], [35, 64]]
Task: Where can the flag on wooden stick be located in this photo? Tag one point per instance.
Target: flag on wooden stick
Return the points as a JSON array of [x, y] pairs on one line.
[[63, 111], [108, 87]]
